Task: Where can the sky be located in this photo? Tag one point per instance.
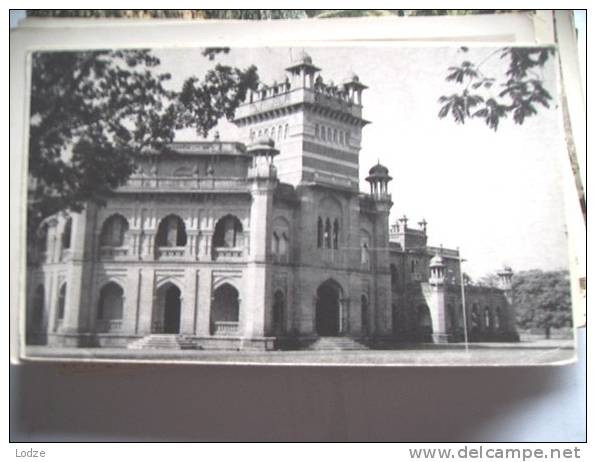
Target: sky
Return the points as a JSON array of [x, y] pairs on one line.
[[496, 195]]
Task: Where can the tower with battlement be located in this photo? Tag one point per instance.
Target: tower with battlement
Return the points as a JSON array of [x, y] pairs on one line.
[[316, 125]]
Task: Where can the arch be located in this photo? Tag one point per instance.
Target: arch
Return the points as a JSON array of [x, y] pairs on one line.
[[364, 315], [274, 243], [328, 308], [364, 248], [488, 324], [498, 319], [225, 310], [320, 233], [424, 327], [327, 233], [284, 243], [114, 231], [167, 309], [279, 304], [335, 233], [171, 232], [61, 301], [111, 302], [227, 233], [67, 233]]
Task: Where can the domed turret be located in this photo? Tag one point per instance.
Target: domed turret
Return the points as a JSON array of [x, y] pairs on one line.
[[302, 58], [437, 270], [262, 151], [302, 71], [378, 177], [437, 261]]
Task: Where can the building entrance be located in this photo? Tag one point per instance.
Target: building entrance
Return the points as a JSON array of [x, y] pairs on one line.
[[167, 314], [328, 309]]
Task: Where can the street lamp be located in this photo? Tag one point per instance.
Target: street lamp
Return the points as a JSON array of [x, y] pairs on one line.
[[463, 299]]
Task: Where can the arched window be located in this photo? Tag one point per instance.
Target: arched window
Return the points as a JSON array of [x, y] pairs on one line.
[[394, 277], [66, 233], [412, 267], [273, 132], [228, 231], [286, 131], [114, 231], [275, 243], [487, 318], [171, 232], [320, 233], [283, 244], [323, 133], [498, 320], [279, 132], [62, 301], [317, 131], [364, 314], [278, 311], [327, 233], [335, 233], [225, 310], [475, 317], [111, 302]]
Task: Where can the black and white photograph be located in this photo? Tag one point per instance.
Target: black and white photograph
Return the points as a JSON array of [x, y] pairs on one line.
[[362, 205]]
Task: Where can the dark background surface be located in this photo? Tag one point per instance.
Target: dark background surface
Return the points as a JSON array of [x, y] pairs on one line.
[[142, 402]]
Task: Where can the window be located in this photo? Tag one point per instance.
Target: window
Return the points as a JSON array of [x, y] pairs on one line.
[[335, 135], [320, 233], [412, 267], [487, 318], [275, 243], [283, 244], [335, 234], [66, 234], [111, 302], [329, 135], [364, 254], [279, 132], [323, 134], [286, 130], [316, 130], [171, 232], [62, 301], [273, 132], [327, 233], [228, 232], [113, 232]]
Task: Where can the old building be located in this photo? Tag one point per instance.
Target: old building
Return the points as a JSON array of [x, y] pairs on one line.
[[259, 243]]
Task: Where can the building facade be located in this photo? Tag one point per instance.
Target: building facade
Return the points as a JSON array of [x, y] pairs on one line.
[[261, 243]]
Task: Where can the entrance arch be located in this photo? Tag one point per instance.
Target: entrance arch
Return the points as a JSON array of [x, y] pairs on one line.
[[167, 314], [424, 326], [225, 310], [328, 309]]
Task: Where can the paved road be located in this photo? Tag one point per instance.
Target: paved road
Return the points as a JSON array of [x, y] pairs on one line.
[[502, 354]]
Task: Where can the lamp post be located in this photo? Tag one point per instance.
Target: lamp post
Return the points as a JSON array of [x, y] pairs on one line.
[[463, 300]]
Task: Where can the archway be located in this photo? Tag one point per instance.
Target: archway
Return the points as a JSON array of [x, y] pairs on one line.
[[328, 309], [167, 314], [424, 327], [225, 310], [278, 312]]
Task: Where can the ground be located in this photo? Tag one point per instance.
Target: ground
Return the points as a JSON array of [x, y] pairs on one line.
[[541, 352]]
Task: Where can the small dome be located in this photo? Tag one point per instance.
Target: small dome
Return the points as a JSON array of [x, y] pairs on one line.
[[303, 58], [263, 144], [379, 170], [437, 260], [506, 270], [353, 77]]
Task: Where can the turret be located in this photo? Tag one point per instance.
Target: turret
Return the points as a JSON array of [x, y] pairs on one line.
[[263, 152], [353, 88], [379, 178], [437, 271], [302, 71], [505, 277]]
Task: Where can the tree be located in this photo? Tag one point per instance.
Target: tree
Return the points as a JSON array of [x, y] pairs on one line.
[[93, 112], [518, 93], [542, 299]]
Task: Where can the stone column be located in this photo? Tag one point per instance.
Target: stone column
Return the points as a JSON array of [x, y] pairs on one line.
[[146, 301], [203, 303], [188, 302]]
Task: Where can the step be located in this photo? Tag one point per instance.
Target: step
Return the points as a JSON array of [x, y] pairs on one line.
[[162, 342], [337, 344]]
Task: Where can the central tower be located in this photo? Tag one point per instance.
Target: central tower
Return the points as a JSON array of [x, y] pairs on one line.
[[316, 125]]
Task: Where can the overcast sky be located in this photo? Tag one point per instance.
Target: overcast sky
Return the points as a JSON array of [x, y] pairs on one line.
[[496, 195]]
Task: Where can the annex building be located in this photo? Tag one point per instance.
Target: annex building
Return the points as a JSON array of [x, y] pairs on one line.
[[259, 243]]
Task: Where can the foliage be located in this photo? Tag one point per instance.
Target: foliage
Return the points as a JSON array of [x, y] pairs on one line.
[[93, 112], [542, 299], [518, 93]]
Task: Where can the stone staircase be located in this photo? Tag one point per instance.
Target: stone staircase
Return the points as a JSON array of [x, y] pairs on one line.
[[336, 344], [162, 342]]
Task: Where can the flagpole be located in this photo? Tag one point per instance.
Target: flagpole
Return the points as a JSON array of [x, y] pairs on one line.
[[463, 300]]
